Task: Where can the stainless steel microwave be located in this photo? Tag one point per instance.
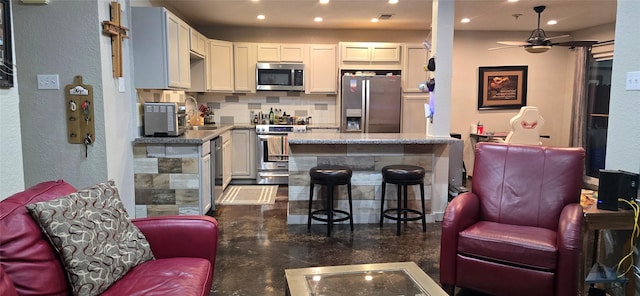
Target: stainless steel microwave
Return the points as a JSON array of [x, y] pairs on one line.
[[280, 76]]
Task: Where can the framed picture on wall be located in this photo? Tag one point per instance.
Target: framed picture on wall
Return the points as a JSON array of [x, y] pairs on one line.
[[6, 63], [502, 87]]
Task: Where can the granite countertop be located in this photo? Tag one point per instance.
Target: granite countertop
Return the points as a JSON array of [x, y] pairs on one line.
[[368, 138], [189, 137]]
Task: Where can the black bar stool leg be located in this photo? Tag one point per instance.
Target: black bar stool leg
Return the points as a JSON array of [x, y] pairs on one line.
[[424, 220], [406, 202], [310, 203], [329, 209], [382, 204], [350, 206], [399, 211]]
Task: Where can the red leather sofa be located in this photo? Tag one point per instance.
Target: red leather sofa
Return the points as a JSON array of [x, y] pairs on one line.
[[184, 247], [518, 232]]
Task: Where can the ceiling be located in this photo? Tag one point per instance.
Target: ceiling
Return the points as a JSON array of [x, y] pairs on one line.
[[487, 15]]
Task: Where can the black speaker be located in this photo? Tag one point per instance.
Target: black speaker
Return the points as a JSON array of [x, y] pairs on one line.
[[614, 184]]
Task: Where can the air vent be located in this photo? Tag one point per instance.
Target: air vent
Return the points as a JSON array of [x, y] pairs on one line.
[[385, 16]]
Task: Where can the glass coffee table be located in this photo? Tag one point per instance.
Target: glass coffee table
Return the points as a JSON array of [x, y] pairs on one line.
[[397, 278]]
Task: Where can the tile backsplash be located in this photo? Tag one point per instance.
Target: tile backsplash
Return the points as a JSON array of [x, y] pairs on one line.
[[237, 108]]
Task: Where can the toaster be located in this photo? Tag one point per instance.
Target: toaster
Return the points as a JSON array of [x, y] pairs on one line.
[[164, 119]]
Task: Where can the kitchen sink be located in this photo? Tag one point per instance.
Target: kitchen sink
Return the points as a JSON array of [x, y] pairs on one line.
[[202, 127]]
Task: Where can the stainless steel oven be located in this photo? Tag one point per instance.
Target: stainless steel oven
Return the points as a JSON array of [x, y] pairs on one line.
[[273, 152]]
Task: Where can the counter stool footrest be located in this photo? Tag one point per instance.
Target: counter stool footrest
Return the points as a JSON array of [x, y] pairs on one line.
[[325, 212], [404, 211]]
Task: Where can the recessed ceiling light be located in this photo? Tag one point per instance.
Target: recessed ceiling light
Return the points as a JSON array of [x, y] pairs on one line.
[[552, 22], [465, 20], [317, 19], [260, 17], [324, 1], [393, 1], [374, 20], [513, 0]]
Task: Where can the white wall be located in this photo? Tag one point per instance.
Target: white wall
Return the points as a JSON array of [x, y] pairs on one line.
[[11, 170], [623, 137], [65, 38]]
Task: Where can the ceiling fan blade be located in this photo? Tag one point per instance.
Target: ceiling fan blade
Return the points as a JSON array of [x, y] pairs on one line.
[[504, 47], [584, 43], [514, 43], [559, 36]]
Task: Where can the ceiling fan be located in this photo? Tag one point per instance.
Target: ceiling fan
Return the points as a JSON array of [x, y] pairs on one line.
[[538, 42]]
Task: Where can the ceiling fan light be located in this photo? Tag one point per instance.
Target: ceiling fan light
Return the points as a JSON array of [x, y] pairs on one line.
[[537, 48]]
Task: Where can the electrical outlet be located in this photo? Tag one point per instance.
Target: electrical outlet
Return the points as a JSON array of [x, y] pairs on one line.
[[633, 80], [48, 81]]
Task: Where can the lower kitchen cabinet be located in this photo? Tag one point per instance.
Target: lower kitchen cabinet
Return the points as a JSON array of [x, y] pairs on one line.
[[413, 119], [206, 184], [243, 164], [226, 159], [172, 179]]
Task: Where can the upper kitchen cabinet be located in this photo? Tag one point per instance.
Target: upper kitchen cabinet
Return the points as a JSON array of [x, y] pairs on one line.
[[220, 66], [160, 42], [322, 70], [289, 53], [198, 43], [413, 68], [198, 50], [369, 53], [245, 59]]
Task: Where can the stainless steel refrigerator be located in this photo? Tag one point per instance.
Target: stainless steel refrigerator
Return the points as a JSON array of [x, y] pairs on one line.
[[371, 104]]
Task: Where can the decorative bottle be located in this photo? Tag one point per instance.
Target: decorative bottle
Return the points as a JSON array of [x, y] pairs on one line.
[[271, 116]]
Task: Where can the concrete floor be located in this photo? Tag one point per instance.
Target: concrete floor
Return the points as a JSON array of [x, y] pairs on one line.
[[256, 246]]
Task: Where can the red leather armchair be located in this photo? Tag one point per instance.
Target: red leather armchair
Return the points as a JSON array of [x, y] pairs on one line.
[[518, 232], [185, 249]]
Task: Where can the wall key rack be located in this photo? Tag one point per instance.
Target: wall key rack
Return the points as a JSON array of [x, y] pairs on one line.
[[80, 112]]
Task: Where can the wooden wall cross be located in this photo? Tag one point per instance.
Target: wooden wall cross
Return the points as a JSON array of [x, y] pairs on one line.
[[117, 33]]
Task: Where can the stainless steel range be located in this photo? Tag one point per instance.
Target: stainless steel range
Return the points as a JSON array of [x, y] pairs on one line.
[[273, 152]]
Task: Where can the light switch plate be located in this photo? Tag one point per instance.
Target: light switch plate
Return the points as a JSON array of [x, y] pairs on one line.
[[633, 80], [48, 81]]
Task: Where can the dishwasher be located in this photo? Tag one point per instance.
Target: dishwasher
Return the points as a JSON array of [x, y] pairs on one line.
[[216, 170]]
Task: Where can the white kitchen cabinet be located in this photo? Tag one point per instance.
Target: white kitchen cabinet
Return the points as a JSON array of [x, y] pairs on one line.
[[198, 61], [244, 66], [198, 42], [370, 52], [205, 184], [413, 117], [413, 72], [226, 159], [160, 42], [322, 70], [219, 66], [286, 53], [243, 164]]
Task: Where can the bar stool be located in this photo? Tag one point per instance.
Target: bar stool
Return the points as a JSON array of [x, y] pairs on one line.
[[403, 176], [330, 176]]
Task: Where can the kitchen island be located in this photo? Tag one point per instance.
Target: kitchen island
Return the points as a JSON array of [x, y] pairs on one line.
[[174, 175], [366, 154]]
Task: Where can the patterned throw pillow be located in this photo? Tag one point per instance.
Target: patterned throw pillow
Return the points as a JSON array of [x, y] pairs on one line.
[[94, 236]]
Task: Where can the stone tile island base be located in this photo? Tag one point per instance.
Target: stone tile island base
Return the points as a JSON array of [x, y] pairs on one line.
[[366, 162], [167, 180]]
